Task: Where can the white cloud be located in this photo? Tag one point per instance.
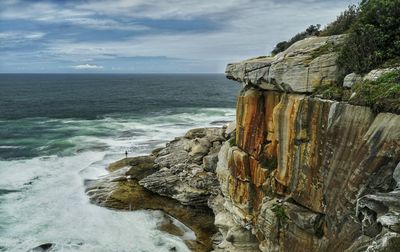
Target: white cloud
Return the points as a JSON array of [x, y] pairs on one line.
[[250, 32], [87, 66], [21, 35], [18, 38], [240, 28], [52, 13]]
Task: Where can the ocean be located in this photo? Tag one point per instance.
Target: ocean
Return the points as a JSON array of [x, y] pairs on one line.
[[56, 130]]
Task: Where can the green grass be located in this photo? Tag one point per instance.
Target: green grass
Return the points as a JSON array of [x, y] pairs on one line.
[[382, 95], [232, 141], [279, 212], [330, 92], [329, 47]]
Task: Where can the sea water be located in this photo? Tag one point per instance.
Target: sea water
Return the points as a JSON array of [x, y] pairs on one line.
[[58, 130]]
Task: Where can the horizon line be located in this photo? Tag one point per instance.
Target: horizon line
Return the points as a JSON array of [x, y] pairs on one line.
[[113, 73]]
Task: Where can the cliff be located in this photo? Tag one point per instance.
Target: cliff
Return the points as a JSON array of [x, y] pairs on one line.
[[294, 172], [304, 173]]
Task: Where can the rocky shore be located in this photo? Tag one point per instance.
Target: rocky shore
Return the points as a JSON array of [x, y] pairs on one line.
[[295, 172], [178, 180]]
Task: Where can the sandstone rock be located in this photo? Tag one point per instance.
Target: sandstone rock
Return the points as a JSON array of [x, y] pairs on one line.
[[323, 156], [351, 79], [173, 153], [198, 148], [211, 134], [396, 174], [120, 190], [230, 129], [189, 184], [376, 73], [389, 242], [210, 162], [233, 237], [186, 167], [304, 66], [391, 221]]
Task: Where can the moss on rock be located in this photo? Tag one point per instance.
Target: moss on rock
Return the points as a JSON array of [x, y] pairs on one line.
[[382, 95], [116, 191]]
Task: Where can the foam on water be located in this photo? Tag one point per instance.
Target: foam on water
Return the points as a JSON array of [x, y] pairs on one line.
[[44, 199]]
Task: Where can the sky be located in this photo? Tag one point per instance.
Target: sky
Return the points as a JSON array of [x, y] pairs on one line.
[[149, 36]]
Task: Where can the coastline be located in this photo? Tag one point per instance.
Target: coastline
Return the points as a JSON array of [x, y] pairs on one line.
[[146, 183]]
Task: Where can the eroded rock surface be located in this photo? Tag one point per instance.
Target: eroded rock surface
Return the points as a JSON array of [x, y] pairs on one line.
[[306, 174], [174, 179], [186, 167], [301, 68]]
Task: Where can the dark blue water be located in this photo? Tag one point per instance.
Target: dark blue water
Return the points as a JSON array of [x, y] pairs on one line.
[[92, 96], [58, 130], [32, 106]]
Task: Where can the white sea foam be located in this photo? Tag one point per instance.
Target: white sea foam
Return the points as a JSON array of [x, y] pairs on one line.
[[50, 204]]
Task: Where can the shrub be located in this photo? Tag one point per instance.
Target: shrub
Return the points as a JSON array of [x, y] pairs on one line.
[[232, 141], [312, 30], [330, 92], [342, 23], [279, 212], [374, 37], [382, 95]]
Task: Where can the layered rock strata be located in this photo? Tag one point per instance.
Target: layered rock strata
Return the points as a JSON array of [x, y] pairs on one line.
[[304, 66], [306, 174], [297, 173], [177, 179]]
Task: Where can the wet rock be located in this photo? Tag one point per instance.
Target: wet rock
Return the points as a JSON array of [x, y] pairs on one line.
[[6, 191], [171, 179], [128, 194], [43, 247]]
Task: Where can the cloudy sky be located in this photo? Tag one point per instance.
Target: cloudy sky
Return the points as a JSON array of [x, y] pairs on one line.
[[149, 36]]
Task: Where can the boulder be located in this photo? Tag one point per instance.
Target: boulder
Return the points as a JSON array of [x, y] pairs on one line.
[[351, 79], [43, 247], [376, 73]]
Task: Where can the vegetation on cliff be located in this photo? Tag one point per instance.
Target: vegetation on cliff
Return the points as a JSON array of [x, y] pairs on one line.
[[374, 37], [342, 23], [312, 30], [381, 95], [372, 41]]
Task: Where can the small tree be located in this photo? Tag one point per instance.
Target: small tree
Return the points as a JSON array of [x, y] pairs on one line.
[[342, 23], [312, 30]]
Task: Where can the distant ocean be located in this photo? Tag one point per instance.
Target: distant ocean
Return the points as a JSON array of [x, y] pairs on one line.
[[56, 130]]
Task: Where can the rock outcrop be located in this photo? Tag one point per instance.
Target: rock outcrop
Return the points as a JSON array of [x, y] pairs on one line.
[[186, 167], [304, 66], [303, 173], [177, 179]]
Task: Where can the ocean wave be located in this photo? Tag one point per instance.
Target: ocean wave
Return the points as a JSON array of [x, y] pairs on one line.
[[49, 204]]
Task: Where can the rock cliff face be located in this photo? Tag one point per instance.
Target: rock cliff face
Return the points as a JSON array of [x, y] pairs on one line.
[[292, 173], [302, 173]]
